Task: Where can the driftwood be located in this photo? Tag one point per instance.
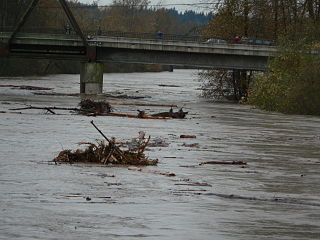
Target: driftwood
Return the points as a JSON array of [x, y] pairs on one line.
[[111, 144], [92, 108], [130, 115], [188, 136], [171, 114], [97, 108], [151, 171], [46, 108], [191, 190], [11, 112], [168, 85], [25, 87], [91, 112], [224, 162], [190, 145], [105, 153], [142, 104], [194, 184], [86, 107]]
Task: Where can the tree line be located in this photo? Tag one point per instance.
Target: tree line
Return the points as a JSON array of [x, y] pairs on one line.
[[291, 83], [121, 15], [269, 19]]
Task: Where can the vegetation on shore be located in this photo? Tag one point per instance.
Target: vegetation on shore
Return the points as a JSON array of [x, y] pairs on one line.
[[292, 82]]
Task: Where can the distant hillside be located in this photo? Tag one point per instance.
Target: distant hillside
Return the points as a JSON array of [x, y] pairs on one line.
[[188, 16]]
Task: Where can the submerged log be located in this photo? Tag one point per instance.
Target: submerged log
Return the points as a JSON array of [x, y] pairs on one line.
[[151, 171]]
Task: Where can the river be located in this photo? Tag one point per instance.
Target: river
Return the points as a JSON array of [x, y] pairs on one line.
[[275, 196]]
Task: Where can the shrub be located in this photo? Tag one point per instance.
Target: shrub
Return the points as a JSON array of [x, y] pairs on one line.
[[292, 82]]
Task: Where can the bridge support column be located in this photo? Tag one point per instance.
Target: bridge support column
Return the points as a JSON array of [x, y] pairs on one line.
[[91, 78]]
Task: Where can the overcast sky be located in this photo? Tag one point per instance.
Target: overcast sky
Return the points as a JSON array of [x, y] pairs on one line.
[[169, 3]]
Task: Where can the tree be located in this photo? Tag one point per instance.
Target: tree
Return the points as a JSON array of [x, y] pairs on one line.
[[291, 84], [270, 19]]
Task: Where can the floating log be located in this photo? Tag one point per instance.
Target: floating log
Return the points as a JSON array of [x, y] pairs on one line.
[[91, 108], [224, 162], [190, 190], [89, 113], [11, 112], [46, 108], [151, 171], [168, 85], [190, 145], [142, 104], [130, 115], [26, 87], [188, 136], [194, 184], [171, 114]]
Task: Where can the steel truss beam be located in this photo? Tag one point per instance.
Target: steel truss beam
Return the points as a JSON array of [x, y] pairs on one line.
[[66, 9]]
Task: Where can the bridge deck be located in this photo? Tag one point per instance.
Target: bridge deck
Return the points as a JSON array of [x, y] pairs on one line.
[[120, 49]]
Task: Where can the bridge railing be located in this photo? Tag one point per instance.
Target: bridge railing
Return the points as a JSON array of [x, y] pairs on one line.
[[91, 35], [150, 36], [117, 34]]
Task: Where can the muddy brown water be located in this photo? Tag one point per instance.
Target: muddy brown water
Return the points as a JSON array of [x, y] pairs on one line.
[[276, 196]]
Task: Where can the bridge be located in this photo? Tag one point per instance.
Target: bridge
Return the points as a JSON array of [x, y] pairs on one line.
[[104, 49], [96, 49], [137, 50]]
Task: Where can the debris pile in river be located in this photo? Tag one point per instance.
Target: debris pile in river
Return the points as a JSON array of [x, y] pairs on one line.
[[106, 153], [90, 106], [101, 108]]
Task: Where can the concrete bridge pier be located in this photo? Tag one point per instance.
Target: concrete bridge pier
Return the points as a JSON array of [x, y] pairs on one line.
[[91, 78]]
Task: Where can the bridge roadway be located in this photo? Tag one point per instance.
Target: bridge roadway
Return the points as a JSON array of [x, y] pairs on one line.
[[134, 50]]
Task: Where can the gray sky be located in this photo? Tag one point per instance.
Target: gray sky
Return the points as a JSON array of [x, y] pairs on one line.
[[170, 4]]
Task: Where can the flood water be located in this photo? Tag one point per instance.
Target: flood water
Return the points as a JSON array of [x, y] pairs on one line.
[[275, 196]]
